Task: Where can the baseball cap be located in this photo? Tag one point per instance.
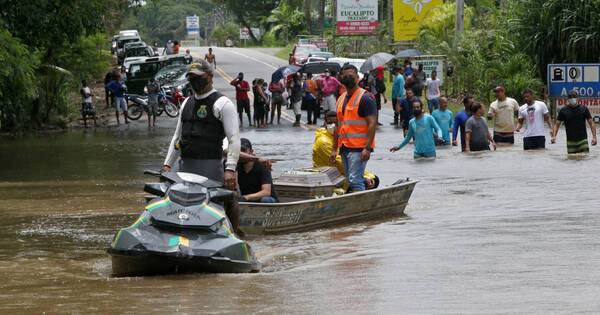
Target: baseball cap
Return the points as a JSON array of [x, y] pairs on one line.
[[200, 68], [245, 144]]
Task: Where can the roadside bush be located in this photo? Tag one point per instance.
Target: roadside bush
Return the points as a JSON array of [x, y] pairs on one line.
[[223, 32], [17, 81], [86, 58]]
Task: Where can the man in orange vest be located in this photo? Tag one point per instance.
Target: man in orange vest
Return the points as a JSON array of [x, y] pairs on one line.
[[355, 132]]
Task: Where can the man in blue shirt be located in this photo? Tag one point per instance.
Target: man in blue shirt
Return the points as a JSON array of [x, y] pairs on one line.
[[423, 129], [443, 117], [397, 92], [459, 122], [118, 88]]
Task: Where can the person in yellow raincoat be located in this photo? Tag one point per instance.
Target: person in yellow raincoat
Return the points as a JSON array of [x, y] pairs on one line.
[[322, 150]]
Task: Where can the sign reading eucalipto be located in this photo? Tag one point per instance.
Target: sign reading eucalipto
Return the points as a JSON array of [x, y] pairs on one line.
[[583, 78], [357, 17]]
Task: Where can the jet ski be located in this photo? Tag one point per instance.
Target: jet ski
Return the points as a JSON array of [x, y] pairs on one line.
[[183, 229]]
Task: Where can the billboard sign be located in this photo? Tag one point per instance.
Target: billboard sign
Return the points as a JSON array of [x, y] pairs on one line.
[[430, 64], [583, 78], [192, 25], [245, 34], [357, 17], [408, 15]]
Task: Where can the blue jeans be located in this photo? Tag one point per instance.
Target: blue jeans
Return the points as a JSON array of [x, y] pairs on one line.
[[268, 200], [355, 169], [424, 155], [433, 104]]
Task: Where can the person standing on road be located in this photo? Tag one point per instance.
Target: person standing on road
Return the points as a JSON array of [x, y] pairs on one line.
[[420, 77], [87, 108], [107, 93], [211, 58], [277, 99], [329, 86], [397, 92], [241, 97], [503, 111], [408, 70], [575, 116], [118, 88], [260, 100], [477, 132], [310, 99], [443, 117], [406, 110], [533, 113], [153, 89], [433, 92], [424, 130], [297, 92], [459, 123], [355, 132], [207, 117]]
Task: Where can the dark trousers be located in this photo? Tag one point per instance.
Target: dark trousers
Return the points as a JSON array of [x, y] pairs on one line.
[[312, 108]]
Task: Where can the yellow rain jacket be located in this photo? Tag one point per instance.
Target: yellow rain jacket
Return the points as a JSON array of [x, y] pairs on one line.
[[322, 150]]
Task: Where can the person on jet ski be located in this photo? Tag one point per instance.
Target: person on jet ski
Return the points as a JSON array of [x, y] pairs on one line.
[[256, 183], [322, 150], [206, 118]]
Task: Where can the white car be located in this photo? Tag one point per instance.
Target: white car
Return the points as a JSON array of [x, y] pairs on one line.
[[129, 33], [355, 62]]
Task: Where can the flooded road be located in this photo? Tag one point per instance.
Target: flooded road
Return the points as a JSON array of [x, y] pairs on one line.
[[498, 232], [510, 231]]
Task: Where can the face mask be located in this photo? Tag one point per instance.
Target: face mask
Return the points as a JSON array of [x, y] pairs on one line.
[[417, 112], [326, 74], [199, 84], [573, 101], [349, 82], [331, 128]]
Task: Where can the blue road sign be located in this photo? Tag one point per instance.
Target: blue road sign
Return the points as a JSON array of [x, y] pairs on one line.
[[583, 77]]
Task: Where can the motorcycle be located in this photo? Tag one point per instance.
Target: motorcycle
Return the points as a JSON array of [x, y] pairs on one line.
[[140, 105]]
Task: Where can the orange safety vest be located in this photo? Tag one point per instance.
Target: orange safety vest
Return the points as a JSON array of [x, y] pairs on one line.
[[353, 130]]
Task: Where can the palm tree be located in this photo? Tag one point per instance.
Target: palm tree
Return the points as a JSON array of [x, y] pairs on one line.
[[286, 20]]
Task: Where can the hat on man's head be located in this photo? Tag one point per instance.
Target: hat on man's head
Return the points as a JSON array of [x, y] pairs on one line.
[[245, 144], [200, 68]]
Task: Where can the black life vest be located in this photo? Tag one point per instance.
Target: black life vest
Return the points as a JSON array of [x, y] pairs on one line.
[[202, 132]]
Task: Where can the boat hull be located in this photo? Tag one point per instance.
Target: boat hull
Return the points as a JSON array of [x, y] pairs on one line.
[[306, 215], [128, 264]]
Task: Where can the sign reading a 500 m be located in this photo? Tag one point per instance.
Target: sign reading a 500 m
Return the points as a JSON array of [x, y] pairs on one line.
[[583, 78]]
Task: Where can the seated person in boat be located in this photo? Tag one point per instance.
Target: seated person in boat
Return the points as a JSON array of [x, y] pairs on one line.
[[322, 150], [254, 180]]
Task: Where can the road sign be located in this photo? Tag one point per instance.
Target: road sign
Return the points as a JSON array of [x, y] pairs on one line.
[[245, 34], [192, 24], [357, 17], [583, 78]]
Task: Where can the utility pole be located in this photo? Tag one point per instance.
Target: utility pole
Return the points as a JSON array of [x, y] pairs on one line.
[[460, 17]]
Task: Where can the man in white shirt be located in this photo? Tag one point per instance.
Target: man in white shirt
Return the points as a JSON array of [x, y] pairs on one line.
[[503, 111], [206, 118], [533, 113], [433, 92]]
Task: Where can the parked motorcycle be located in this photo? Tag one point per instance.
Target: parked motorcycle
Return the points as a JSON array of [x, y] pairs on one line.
[[139, 104]]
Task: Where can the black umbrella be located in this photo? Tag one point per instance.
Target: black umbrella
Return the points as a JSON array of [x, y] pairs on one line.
[[283, 72]]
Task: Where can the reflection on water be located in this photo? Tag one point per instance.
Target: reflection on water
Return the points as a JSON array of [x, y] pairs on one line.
[[509, 230]]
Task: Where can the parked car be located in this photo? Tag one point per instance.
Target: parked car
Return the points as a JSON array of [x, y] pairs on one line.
[[174, 77], [125, 40], [302, 52], [355, 62], [129, 33], [113, 44], [139, 72], [321, 54], [134, 49]]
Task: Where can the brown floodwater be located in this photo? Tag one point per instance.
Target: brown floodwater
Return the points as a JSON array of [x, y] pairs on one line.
[[503, 232]]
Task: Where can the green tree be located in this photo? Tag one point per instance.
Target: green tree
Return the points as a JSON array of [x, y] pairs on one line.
[[556, 31], [286, 21], [17, 81], [250, 13]]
